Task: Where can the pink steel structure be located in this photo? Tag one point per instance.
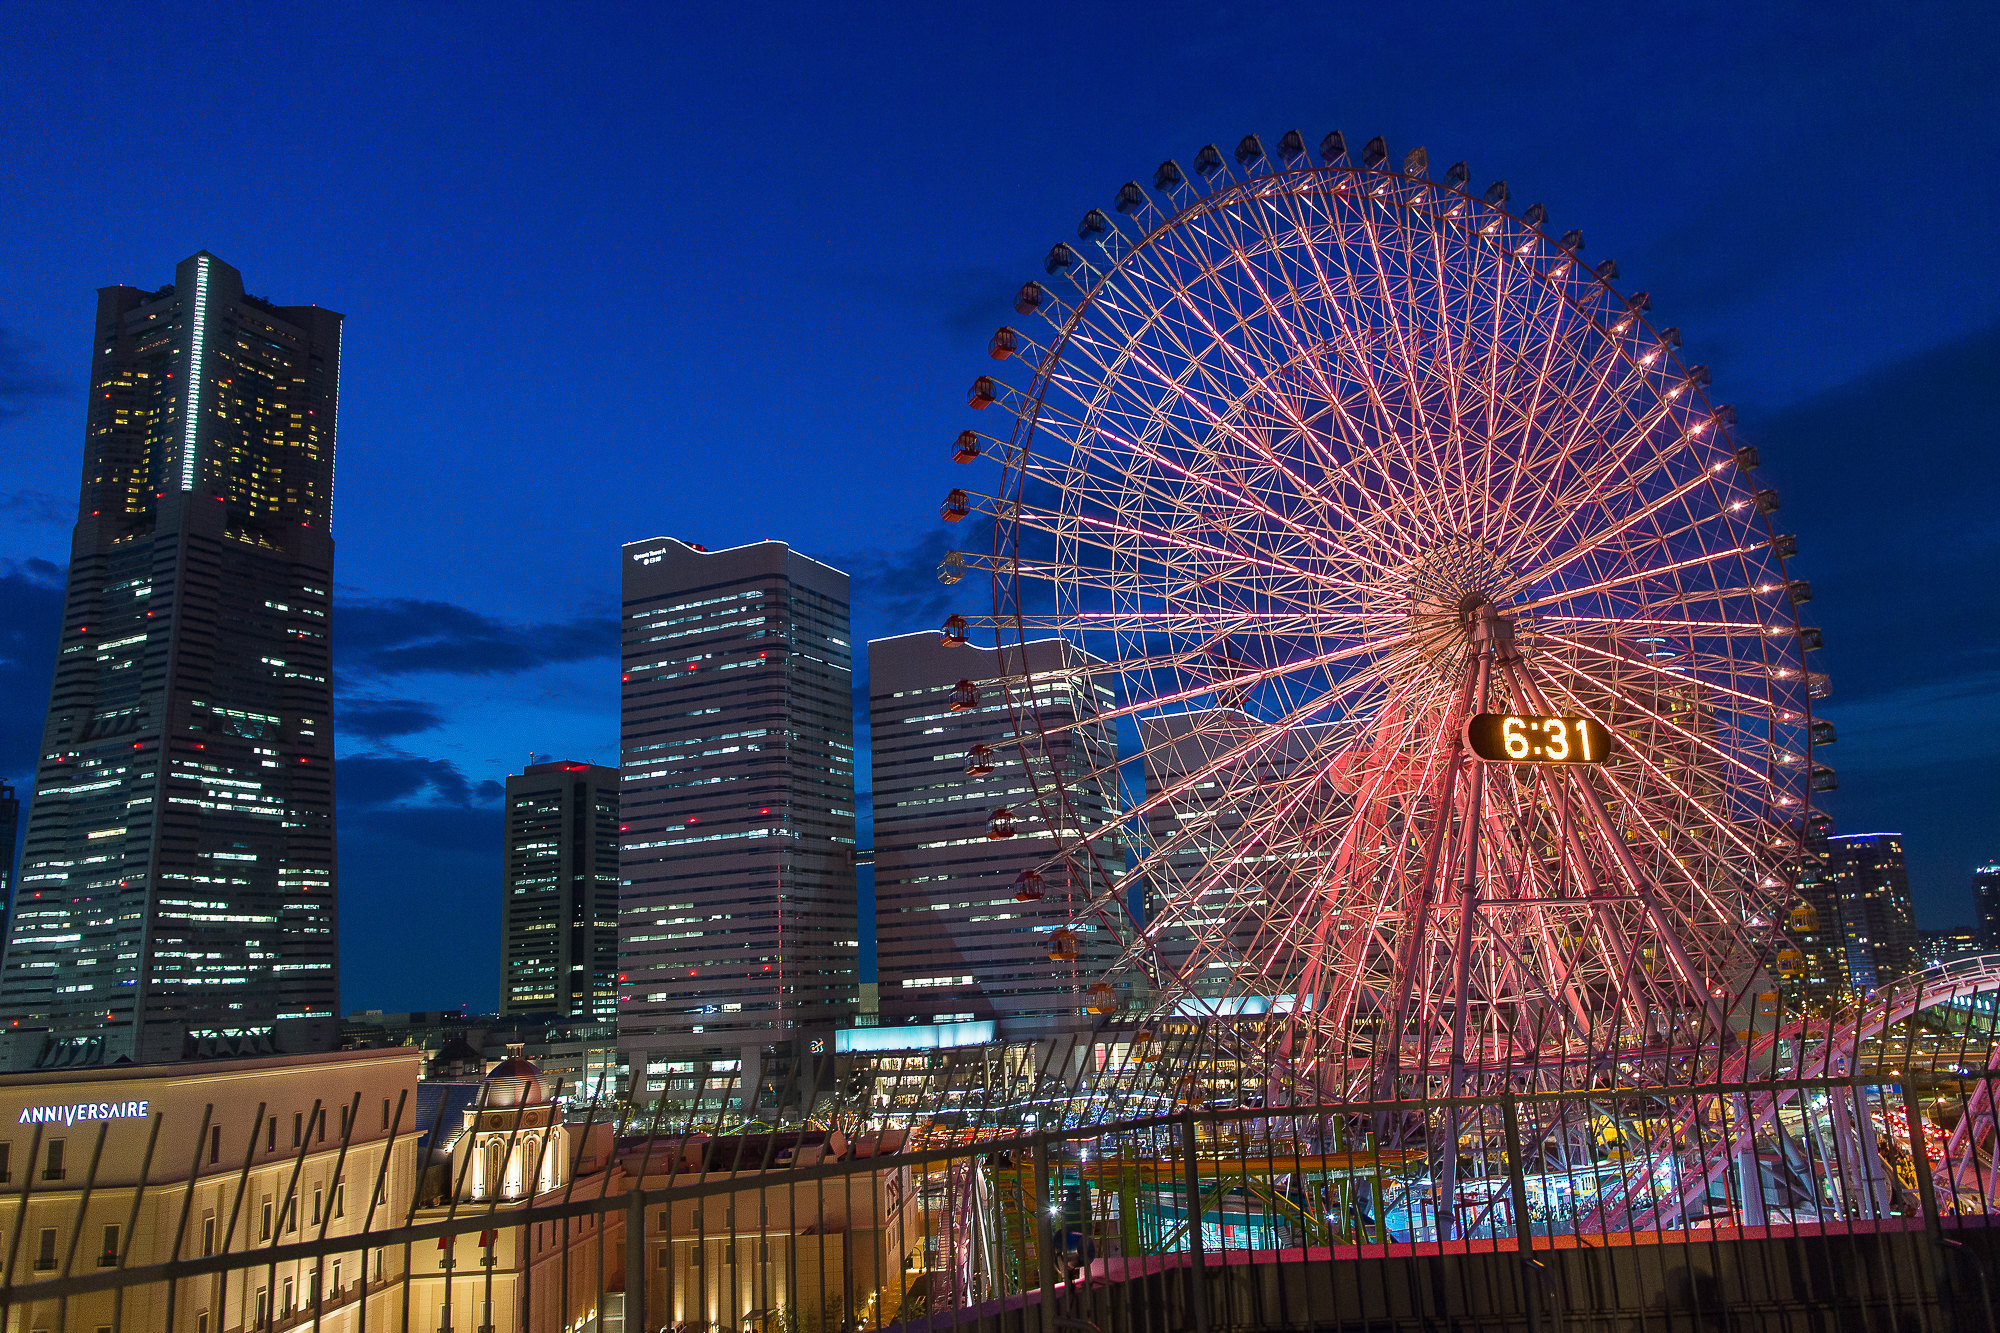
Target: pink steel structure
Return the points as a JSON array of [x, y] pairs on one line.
[[1328, 456]]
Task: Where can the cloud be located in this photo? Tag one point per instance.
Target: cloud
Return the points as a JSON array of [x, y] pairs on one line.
[[401, 635], [31, 600], [966, 301], [394, 780], [33, 506], [24, 386], [385, 719], [895, 591]]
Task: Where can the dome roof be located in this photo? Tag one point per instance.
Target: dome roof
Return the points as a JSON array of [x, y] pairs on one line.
[[514, 1082]]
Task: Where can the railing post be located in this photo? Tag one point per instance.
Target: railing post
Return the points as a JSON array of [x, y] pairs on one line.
[[1920, 1157], [635, 1258], [1197, 1262], [1524, 1225], [1045, 1234]]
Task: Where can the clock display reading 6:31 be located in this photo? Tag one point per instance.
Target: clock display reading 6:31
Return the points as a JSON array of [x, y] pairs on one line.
[[1530, 738]]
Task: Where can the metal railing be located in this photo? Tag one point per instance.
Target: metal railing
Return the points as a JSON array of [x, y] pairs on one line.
[[1772, 1193]]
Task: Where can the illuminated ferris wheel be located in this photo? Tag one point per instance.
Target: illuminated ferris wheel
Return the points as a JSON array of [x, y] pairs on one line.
[[1463, 704]]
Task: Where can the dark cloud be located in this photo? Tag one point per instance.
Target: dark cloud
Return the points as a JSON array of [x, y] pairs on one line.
[[33, 507], [24, 385], [31, 599], [895, 591], [385, 719], [393, 780], [966, 301], [401, 635]]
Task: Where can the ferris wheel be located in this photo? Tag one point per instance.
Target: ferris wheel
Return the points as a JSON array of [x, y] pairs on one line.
[[1370, 509]]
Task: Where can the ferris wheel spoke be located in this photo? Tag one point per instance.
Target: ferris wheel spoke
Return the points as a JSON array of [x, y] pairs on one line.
[[1646, 575], [1319, 497], [1754, 785]]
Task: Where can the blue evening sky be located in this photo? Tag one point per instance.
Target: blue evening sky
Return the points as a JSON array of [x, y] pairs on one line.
[[724, 272]]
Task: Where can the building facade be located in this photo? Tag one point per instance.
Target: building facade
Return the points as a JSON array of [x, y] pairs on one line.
[[559, 893], [10, 827], [177, 893], [1986, 903], [737, 932], [252, 1154], [1205, 905], [959, 936], [1864, 930]]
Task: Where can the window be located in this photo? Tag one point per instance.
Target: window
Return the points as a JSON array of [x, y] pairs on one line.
[[266, 1233], [318, 1193], [298, 1128], [344, 1126], [385, 1114], [45, 1256], [285, 1307], [336, 1276], [108, 1256], [201, 1322], [52, 1161], [208, 1234], [271, 1135], [214, 1150], [292, 1212], [321, 1118], [263, 1305], [340, 1198], [6, 1161]]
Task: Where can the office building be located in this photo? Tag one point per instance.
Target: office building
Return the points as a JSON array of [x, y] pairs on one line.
[[1206, 771], [960, 934], [559, 893], [1986, 904], [1935, 948], [738, 946], [1863, 932], [10, 823], [177, 880]]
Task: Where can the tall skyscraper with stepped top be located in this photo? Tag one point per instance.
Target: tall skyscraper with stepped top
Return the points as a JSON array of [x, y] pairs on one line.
[[177, 894]]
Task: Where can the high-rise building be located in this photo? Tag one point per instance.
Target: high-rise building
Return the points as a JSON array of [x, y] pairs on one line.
[[177, 879], [1986, 903], [559, 892], [956, 937], [1199, 790], [738, 948], [10, 820], [1861, 902]]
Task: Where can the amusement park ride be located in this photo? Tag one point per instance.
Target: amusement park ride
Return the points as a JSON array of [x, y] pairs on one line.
[[1366, 490]]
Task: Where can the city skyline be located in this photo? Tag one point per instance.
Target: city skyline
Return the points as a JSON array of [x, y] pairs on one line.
[[1722, 192]]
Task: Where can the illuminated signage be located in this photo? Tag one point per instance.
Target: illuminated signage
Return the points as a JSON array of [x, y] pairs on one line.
[[75, 1111], [1529, 738]]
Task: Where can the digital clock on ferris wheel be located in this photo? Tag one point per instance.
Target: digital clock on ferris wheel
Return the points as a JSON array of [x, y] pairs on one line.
[[1530, 738]]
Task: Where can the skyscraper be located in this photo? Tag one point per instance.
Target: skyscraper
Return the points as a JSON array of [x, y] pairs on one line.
[[1861, 899], [10, 820], [559, 893], [1986, 903], [954, 939], [177, 881], [737, 934]]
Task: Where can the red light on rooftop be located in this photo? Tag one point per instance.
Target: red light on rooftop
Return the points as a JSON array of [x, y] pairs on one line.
[[623, 678], [690, 970]]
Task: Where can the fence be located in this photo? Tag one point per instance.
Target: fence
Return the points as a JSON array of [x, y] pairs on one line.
[[1722, 1204]]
